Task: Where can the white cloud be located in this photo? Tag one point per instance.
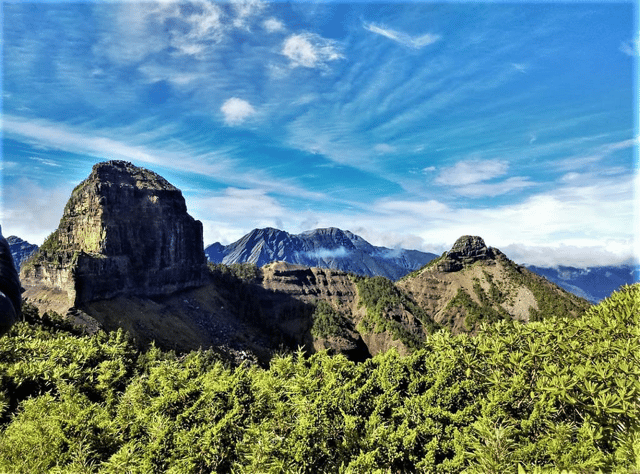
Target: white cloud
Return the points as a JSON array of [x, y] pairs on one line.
[[245, 9], [520, 67], [273, 25], [324, 253], [236, 111], [310, 50], [472, 171], [415, 42]]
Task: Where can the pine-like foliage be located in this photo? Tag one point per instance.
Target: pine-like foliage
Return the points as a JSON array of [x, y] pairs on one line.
[[551, 396]]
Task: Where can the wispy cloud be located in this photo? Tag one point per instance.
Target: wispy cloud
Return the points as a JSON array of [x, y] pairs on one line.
[[310, 50], [471, 172], [324, 253], [404, 39], [214, 164], [384, 148]]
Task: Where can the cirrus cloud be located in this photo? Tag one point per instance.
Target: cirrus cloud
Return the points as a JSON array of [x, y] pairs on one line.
[[310, 50], [415, 42], [471, 172]]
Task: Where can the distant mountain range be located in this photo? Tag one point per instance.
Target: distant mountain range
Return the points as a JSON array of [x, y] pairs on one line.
[[21, 250], [331, 248], [593, 283], [342, 250]]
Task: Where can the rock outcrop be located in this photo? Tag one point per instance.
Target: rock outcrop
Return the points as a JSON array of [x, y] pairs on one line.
[[124, 231], [472, 283]]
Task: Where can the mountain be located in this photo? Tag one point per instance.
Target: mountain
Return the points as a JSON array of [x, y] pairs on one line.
[[592, 283], [326, 248], [128, 255], [473, 283], [21, 250], [124, 231]]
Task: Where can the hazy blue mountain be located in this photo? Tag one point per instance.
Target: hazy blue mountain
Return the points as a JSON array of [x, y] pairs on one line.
[[326, 248], [21, 250], [593, 283]]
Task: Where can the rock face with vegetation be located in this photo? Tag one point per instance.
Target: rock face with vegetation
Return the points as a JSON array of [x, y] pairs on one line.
[[125, 230]]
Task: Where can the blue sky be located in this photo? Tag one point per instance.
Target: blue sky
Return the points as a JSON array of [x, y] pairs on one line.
[[409, 124]]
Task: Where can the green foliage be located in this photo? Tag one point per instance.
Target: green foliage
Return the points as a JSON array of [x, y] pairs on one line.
[[559, 395], [328, 322], [484, 311], [246, 272], [383, 301]]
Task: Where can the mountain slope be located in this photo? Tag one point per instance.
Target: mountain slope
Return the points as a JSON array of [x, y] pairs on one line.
[[326, 248]]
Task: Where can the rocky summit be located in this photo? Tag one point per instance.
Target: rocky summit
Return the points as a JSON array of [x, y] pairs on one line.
[[466, 250], [125, 231]]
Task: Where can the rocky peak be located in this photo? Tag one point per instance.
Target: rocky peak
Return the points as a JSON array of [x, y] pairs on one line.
[[468, 247], [124, 230], [467, 250]]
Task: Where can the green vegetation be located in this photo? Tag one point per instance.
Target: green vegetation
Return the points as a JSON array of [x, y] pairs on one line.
[[477, 312], [246, 272], [382, 298], [560, 394], [328, 322]]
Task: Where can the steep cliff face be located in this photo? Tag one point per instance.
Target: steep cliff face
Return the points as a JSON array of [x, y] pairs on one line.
[[125, 230]]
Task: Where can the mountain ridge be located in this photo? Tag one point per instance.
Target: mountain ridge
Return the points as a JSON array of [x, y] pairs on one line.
[[330, 247]]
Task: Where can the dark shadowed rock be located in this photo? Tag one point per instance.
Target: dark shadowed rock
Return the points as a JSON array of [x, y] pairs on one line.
[[10, 299], [124, 231]]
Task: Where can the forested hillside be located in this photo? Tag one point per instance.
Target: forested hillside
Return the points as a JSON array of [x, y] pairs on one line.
[[557, 394]]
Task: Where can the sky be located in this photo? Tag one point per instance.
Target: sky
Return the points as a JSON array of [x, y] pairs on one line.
[[409, 124]]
